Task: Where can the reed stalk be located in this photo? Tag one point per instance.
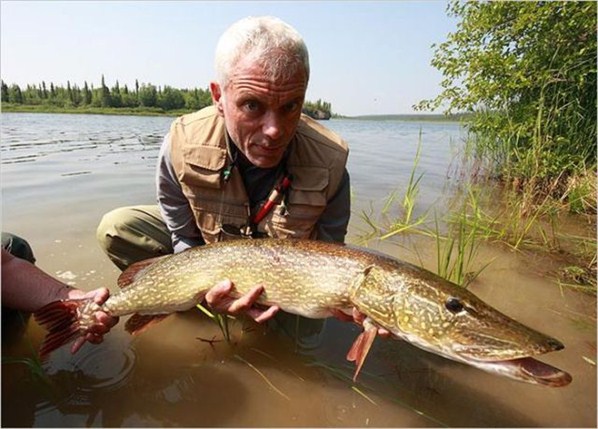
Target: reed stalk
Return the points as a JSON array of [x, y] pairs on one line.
[[220, 319], [380, 226]]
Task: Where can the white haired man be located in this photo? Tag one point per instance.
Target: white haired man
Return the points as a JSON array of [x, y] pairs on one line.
[[249, 165]]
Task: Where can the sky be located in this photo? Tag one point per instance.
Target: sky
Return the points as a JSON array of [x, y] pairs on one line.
[[366, 57]]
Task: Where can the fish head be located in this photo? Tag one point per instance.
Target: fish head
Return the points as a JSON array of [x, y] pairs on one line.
[[464, 326], [448, 320]]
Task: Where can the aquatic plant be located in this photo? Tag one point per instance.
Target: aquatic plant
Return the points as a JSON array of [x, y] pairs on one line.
[[220, 319], [387, 223], [456, 251]]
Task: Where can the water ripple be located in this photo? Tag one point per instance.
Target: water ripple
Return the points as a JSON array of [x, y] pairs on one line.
[[92, 372]]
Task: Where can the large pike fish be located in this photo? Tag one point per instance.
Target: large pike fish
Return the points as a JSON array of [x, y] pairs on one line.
[[318, 280]]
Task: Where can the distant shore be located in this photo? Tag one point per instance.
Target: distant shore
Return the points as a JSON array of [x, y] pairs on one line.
[[411, 117], [136, 111], [156, 111]]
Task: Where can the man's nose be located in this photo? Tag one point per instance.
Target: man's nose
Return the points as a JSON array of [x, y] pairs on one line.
[[273, 125]]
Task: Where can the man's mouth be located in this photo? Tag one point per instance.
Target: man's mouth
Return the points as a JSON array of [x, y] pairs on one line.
[[270, 149]]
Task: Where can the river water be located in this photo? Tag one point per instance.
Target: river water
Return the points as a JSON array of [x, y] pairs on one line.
[[61, 173]]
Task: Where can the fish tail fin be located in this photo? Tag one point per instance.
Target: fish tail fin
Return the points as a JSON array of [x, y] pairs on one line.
[[62, 319]]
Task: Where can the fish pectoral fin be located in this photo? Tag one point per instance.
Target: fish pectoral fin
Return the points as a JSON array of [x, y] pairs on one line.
[[361, 346], [138, 323], [135, 270], [340, 315]]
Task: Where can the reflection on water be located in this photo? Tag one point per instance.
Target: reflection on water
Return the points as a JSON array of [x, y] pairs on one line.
[[61, 173]]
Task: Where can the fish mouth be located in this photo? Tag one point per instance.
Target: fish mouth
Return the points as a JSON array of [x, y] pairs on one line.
[[526, 369], [519, 364]]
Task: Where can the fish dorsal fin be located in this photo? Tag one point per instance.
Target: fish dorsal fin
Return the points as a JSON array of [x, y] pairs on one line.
[[136, 270], [138, 323]]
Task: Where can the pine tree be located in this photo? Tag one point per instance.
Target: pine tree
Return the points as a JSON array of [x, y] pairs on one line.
[[86, 94], [104, 95], [14, 94], [4, 93], [116, 97]]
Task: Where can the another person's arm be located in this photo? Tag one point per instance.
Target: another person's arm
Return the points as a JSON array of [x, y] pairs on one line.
[[26, 287]]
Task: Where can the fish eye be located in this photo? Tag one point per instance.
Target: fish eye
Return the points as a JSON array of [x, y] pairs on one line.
[[454, 305]]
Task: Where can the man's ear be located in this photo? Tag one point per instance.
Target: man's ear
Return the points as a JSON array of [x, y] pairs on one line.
[[216, 92]]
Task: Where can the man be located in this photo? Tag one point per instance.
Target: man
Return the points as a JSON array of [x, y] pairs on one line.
[[26, 288], [251, 165]]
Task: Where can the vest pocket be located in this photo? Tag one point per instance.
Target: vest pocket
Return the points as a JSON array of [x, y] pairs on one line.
[[204, 168], [305, 204], [298, 219], [211, 218], [197, 176]]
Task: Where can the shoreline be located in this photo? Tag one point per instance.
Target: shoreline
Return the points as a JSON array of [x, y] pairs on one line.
[[156, 111], [122, 111]]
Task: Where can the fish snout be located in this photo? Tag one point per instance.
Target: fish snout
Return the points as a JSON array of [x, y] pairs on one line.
[[554, 345]]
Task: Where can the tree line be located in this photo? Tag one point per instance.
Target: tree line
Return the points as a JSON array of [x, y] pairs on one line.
[[73, 96], [143, 95], [319, 110]]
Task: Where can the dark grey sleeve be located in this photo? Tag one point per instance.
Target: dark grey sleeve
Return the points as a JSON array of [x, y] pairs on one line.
[[333, 223], [173, 204]]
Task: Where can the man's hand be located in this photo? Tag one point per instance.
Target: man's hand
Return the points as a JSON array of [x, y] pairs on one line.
[[219, 299], [104, 322]]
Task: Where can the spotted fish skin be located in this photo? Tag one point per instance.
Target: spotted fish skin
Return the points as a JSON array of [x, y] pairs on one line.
[[305, 277], [317, 280]]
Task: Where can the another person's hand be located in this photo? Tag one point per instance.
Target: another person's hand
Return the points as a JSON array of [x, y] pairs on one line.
[[104, 322], [219, 299]]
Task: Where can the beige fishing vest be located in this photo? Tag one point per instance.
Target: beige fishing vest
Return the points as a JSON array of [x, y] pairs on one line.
[[316, 161]]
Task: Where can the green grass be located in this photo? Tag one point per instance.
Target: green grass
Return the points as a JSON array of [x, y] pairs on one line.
[[220, 319], [384, 225], [456, 251], [520, 215]]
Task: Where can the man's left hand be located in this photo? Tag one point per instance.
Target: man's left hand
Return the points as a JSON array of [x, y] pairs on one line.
[[219, 299]]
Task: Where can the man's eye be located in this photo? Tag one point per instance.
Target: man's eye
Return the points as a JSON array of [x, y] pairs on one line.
[[251, 106], [291, 107]]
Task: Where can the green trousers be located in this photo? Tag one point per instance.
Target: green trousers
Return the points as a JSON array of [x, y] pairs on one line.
[[132, 234]]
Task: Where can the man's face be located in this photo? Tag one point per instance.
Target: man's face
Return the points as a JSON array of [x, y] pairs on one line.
[[260, 116]]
